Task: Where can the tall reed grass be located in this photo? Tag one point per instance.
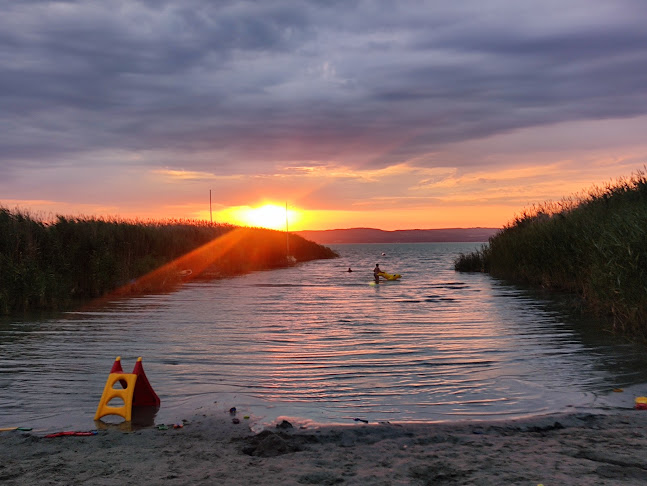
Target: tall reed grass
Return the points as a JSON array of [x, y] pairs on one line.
[[51, 265], [593, 244]]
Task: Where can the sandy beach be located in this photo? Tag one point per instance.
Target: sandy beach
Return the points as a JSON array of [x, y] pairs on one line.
[[573, 449]]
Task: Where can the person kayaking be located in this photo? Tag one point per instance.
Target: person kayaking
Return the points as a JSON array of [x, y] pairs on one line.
[[349, 269], [376, 273]]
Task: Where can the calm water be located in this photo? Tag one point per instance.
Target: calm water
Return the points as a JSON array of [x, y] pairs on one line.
[[318, 344]]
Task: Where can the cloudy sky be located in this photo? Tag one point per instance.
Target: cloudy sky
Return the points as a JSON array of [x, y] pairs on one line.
[[387, 114]]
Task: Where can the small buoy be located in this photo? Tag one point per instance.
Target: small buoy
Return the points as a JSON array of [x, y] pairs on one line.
[[383, 254]]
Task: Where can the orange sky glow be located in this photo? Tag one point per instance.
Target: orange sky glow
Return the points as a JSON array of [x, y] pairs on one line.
[[501, 185], [422, 115]]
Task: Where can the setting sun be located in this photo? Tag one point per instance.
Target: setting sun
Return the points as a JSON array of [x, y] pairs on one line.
[[271, 216]]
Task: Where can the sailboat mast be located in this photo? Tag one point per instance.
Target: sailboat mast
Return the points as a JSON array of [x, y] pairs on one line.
[[287, 234]]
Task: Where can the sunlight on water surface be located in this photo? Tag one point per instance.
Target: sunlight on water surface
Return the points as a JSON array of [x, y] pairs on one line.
[[319, 344]]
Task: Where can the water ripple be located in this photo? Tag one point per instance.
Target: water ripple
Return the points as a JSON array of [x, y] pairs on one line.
[[323, 344]]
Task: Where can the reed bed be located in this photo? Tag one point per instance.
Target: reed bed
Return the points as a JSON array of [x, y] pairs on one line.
[[51, 265], [594, 245]]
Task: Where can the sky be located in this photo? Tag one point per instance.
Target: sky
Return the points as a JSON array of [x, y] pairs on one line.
[[382, 114]]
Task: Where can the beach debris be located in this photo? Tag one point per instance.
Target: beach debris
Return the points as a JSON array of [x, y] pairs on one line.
[[246, 417], [360, 420], [20, 429], [618, 390], [284, 425], [235, 420], [386, 422], [177, 425], [545, 428], [641, 403], [272, 444], [232, 411], [72, 433]]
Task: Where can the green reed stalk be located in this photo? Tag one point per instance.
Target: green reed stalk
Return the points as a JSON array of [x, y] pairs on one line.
[[594, 245], [51, 265]]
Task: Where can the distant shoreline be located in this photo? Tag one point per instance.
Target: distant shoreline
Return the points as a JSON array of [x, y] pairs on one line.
[[372, 235]]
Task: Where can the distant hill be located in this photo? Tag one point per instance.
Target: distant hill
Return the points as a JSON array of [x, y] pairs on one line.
[[370, 235]]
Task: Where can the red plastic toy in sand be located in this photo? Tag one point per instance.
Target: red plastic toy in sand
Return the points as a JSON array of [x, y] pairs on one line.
[[135, 391]]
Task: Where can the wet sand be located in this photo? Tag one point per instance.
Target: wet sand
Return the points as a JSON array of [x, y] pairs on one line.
[[573, 449]]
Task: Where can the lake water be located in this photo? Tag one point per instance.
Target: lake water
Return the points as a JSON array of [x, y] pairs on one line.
[[318, 344]]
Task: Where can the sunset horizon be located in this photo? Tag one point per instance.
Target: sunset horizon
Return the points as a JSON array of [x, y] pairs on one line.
[[382, 115], [283, 216], [354, 242]]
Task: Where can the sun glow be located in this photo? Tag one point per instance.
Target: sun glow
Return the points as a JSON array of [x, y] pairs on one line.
[[271, 216]]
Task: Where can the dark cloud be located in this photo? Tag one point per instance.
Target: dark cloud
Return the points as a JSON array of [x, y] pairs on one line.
[[369, 83]]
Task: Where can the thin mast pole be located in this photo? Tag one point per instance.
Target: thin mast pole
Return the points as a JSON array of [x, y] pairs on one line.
[[287, 240]]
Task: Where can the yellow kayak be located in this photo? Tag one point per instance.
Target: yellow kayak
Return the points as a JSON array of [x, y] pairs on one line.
[[389, 276]]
